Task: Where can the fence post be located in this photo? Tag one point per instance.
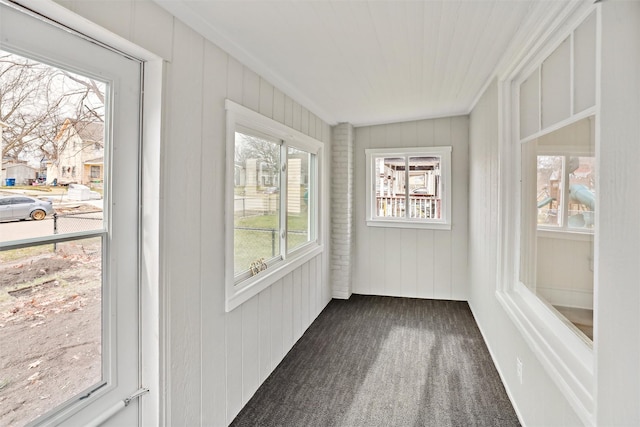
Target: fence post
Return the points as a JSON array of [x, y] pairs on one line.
[[55, 229], [273, 242]]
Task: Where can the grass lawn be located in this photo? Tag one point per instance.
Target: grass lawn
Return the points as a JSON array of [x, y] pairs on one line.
[[251, 245]]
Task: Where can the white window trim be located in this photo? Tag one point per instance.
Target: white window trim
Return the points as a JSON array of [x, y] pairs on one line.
[[444, 223], [568, 358], [237, 292], [152, 312]]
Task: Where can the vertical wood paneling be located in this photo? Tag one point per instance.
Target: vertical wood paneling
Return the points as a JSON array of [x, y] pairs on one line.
[[182, 241], [460, 207], [297, 116], [413, 262], [250, 349], [442, 264], [234, 381], [426, 133], [264, 330], [312, 126], [297, 305], [409, 135], [215, 360], [211, 253], [278, 105], [288, 111], [314, 300], [425, 263], [266, 98], [115, 17], [377, 244], [287, 313], [442, 242], [235, 79], [361, 266], [408, 263], [277, 331], [376, 264], [251, 89], [304, 121], [326, 288], [153, 29], [305, 297], [392, 252]]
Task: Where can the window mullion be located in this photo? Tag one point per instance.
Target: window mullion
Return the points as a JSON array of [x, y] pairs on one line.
[[283, 199], [406, 187], [565, 192]]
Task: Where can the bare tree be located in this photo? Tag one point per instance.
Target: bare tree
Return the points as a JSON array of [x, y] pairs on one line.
[[35, 101], [265, 151]]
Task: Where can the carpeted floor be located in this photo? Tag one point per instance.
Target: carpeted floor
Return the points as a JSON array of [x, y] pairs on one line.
[[381, 361]]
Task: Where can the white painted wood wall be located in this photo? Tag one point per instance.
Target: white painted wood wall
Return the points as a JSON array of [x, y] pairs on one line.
[[215, 360], [538, 402], [416, 263]]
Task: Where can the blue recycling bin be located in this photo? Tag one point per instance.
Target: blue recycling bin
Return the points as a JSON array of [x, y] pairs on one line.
[[10, 182]]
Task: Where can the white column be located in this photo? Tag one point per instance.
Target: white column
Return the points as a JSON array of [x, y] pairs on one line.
[[342, 210]]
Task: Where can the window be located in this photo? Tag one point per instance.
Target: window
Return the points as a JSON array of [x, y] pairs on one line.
[[272, 201], [409, 187], [548, 203], [95, 172], [558, 218], [71, 348], [566, 192]]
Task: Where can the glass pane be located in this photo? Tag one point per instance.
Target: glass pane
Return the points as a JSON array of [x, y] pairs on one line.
[[582, 189], [50, 326], [557, 265], [390, 187], [256, 201], [425, 193], [549, 190], [53, 150], [298, 187]]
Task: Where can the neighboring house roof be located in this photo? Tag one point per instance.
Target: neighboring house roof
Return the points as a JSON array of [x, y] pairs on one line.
[[96, 161], [87, 131]]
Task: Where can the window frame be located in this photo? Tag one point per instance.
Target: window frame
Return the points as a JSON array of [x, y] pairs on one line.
[[239, 289], [444, 222], [564, 227], [566, 356], [119, 228]]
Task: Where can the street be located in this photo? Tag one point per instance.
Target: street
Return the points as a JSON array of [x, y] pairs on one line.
[[18, 230]]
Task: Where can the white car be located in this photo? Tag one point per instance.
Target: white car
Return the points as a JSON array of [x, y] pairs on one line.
[[23, 207]]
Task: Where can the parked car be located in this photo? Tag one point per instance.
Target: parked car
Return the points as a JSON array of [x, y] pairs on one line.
[[23, 207]]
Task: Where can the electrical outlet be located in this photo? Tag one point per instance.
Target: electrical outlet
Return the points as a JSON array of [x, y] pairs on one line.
[[519, 369]]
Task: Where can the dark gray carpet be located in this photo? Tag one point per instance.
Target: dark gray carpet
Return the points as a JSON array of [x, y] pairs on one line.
[[381, 361]]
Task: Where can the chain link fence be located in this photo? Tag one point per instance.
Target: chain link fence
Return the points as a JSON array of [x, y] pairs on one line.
[[77, 221]]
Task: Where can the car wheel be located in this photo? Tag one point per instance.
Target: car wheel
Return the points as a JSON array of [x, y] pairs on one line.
[[38, 215]]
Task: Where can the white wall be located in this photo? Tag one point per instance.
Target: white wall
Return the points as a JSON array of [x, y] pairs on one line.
[[617, 245], [215, 361], [415, 263], [617, 323], [537, 400]]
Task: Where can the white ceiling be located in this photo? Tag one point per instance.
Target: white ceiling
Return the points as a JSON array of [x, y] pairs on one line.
[[365, 62]]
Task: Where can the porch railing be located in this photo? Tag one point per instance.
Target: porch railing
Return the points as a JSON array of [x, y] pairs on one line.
[[420, 207]]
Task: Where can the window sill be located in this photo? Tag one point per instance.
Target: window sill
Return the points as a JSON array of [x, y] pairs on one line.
[[565, 356], [395, 223], [565, 234], [238, 293]]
